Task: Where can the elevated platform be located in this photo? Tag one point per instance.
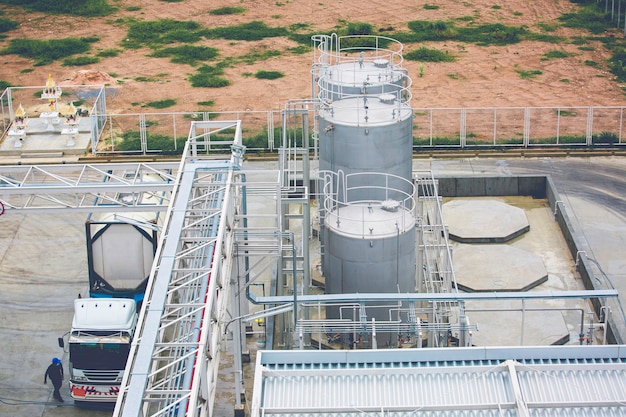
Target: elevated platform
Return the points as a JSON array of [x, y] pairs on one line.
[[47, 137]]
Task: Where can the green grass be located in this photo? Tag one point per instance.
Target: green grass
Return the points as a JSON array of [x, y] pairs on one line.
[[555, 54], [206, 103], [154, 33], [590, 16], [108, 53], [186, 54], [428, 6], [429, 55], [484, 34], [268, 75], [566, 113], [548, 27], [85, 8], [161, 104], [4, 85], [617, 63], [79, 61], [46, 51], [253, 56], [209, 77], [227, 10], [251, 31], [7, 25], [528, 74]]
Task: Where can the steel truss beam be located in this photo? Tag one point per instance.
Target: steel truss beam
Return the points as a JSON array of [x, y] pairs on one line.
[[174, 360], [86, 187]]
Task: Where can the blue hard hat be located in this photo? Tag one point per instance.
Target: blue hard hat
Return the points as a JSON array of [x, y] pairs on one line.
[[56, 360]]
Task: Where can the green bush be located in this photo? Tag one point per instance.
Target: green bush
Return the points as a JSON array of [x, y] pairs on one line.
[[429, 55], [86, 8], [438, 30], [48, 50], [7, 25], [187, 54], [254, 56], [492, 34], [555, 54], [528, 74], [590, 17], [4, 85], [108, 53], [252, 31], [268, 75], [80, 61], [617, 63], [208, 76], [606, 137], [156, 32], [131, 141], [161, 104], [227, 10]]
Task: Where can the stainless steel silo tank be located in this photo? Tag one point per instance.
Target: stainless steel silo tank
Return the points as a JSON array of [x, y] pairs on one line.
[[369, 245], [366, 134], [372, 76]]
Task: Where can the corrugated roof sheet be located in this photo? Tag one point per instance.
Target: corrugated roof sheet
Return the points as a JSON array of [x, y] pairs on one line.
[[552, 381]]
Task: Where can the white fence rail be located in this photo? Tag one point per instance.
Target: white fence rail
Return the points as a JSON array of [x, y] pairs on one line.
[[457, 128]]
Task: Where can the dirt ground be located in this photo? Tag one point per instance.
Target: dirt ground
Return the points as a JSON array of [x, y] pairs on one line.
[[482, 76]]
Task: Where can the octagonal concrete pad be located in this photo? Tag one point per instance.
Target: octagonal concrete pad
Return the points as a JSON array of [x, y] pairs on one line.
[[483, 221], [486, 268]]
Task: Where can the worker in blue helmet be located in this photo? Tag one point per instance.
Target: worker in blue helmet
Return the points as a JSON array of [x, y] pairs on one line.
[[55, 373]]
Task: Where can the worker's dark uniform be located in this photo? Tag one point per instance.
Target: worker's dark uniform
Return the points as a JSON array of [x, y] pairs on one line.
[[55, 373]]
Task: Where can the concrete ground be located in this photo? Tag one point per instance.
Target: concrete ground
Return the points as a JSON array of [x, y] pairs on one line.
[[43, 267]]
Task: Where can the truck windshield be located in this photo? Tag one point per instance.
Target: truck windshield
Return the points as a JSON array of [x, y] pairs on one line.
[[99, 355]]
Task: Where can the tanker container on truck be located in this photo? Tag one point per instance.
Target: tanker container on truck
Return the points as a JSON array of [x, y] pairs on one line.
[[119, 256]]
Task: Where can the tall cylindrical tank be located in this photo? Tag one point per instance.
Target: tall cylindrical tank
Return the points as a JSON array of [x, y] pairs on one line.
[[369, 245], [366, 134]]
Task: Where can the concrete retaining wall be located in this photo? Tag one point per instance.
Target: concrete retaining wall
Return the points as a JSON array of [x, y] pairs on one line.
[[536, 187]]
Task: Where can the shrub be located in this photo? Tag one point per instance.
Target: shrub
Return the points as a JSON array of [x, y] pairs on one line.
[[48, 50], [131, 141], [80, 61], [208, 76], [432, 30], [606, 137], [227, 10], [429, 55], [528, 74], [161, 104], [162, 31], [187, 54], [252, 31], [554, 54], [589, 17], [86, 8], [7, 25], [108, 53], [268, 75]]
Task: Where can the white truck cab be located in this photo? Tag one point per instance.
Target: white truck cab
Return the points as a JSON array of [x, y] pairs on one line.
[[99, 343]]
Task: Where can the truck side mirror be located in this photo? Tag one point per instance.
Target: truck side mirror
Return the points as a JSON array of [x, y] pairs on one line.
[[61, 342]]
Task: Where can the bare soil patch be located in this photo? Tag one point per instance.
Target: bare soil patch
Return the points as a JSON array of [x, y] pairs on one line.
[[482, 76]]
